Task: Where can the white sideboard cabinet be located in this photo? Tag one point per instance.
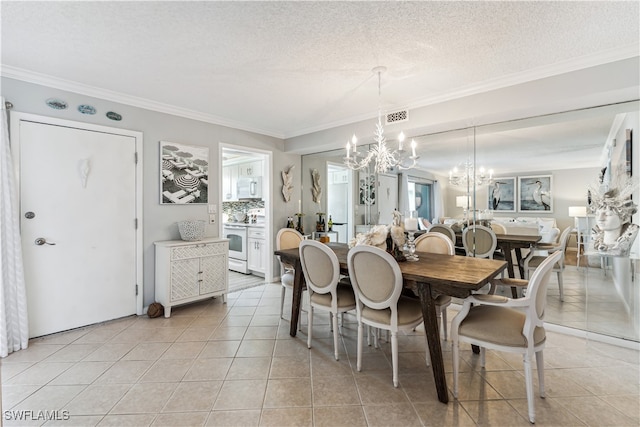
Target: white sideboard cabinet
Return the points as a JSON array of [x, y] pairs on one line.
[[191, 271]]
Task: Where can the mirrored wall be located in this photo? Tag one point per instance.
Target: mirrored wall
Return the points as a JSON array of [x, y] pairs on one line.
[[529, 171]]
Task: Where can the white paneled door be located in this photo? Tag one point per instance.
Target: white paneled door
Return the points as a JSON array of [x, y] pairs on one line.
[[78, 224], [387, 197]]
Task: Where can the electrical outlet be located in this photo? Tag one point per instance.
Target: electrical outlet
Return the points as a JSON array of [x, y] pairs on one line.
[[212, 219]]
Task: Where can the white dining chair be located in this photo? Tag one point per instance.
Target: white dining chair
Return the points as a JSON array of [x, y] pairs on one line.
[[532, 261], [377, 283], [508, 325], [438, 243], [287, 238], [321, 270]]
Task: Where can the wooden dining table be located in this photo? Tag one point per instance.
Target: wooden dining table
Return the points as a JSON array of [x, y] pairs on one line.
[[432, 275]]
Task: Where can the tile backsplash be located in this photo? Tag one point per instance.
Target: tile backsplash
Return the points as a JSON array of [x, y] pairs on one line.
[[229, 208]]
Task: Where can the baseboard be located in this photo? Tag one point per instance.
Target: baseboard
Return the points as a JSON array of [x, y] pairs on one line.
[[591, 336]]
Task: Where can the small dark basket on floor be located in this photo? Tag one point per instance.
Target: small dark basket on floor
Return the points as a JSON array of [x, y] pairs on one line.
[[155, 310]]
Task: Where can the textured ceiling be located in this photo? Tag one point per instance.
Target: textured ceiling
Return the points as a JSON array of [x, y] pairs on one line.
[[288, 68]]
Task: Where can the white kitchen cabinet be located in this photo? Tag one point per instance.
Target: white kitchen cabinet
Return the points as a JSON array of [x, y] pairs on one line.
[[191, 271], [253, 168], [229, 183], [256, 249]]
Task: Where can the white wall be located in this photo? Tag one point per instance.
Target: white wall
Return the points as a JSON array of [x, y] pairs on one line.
[[159, 221]]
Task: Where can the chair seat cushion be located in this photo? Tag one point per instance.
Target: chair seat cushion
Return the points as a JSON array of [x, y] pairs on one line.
[[443, 300], [498, 325], [346, 298], [409, 313], [535, 261], [507, 281], [287, 279]]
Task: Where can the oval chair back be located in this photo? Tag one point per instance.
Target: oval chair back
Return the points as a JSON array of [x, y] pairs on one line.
[[498, 228], [479, 241], [444, 229], [320, 266], [288, 238], [436, 243], [376, 279]]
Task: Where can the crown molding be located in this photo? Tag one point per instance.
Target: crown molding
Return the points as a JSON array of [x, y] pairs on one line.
[[122, 98]]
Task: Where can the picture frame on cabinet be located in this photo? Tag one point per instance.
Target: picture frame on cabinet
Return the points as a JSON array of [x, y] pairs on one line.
[[535, 193], [502, 194], [184, 173]]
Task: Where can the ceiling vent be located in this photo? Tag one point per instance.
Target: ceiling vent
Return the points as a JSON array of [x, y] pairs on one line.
[[397, 116]]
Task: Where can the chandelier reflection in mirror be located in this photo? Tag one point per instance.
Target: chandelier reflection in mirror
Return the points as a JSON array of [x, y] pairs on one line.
[[466, 175], [384, 157]]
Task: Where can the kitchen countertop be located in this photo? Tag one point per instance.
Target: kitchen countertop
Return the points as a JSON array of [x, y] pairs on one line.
[[246, 224]]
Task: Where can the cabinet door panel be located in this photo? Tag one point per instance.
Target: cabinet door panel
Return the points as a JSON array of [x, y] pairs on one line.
[[214, 271], [255, 254], [184, 278]]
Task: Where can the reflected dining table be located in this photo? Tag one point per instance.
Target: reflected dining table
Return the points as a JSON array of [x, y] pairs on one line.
[[430, 276], [508, 243]]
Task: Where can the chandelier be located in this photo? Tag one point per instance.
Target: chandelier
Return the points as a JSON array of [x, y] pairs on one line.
[[466, 175], [384, 157]]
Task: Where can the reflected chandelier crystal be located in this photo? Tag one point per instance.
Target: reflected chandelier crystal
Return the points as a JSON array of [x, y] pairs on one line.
[[466, 176], [384, 157]]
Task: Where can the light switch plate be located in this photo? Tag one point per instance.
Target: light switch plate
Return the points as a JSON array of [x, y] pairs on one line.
[[213, 208]]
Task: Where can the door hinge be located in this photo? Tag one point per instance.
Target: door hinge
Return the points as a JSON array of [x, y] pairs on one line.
[[136, 290], [135, 157], [135, 223]]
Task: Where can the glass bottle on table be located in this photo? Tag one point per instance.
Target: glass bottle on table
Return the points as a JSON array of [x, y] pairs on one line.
[[330, 224]]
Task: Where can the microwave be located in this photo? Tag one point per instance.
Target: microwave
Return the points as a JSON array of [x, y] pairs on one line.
[[250, 187]]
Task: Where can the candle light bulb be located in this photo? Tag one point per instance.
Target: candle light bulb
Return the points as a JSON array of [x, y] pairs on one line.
[[413, 147], [400, 140], [354, 140]]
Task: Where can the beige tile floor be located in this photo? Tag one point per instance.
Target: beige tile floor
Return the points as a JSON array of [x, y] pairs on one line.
[[236, 365]]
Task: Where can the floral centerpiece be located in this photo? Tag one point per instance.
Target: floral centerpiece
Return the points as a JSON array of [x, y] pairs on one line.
[[388, 237]]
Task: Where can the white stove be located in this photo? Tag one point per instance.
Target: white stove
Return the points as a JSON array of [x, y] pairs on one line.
[[237, 235]]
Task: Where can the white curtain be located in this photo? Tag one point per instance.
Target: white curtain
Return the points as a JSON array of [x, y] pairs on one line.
[[14, 328], [438, 208], [403, 191]]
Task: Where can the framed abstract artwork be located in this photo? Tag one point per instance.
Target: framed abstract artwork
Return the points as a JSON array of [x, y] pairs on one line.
[[366, 189], [184, 174], [535, 193], [502, 194]]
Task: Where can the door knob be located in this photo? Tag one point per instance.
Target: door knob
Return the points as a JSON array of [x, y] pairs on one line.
[[42, 241]]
